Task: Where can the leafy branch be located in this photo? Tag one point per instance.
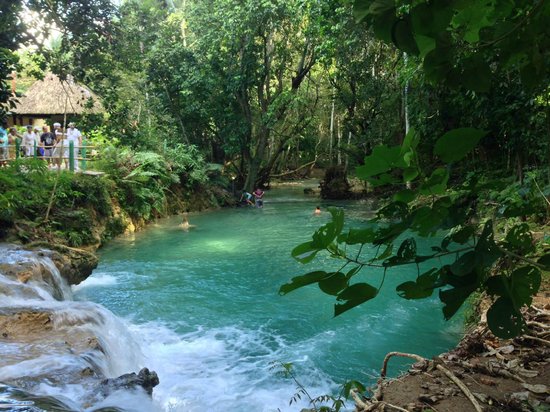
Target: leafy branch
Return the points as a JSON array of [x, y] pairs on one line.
[[480, 262]]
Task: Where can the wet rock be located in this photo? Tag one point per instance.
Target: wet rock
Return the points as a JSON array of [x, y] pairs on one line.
[[75, 265], [17, 399], [21, 325], [87, 372], [144, 379]]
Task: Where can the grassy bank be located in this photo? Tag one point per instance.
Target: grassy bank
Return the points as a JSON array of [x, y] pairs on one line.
[[82, 210]]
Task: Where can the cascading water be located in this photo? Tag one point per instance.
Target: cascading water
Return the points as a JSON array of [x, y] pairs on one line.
[[52, 346]]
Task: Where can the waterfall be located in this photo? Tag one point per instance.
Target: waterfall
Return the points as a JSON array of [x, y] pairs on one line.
[[52, 345]]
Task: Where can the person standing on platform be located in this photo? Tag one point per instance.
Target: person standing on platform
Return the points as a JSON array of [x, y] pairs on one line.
[[57, 132], [29, 140], [14, 138], [47, 141]]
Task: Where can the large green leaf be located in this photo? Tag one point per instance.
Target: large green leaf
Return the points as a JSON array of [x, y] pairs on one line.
[[465, 264], [519, 238], [383, 25], [403, 37], [337, 218], [486, 246], [358, 236], [422, 288], [524, 284], [504, 320], [382, 159], [405, 196], [333, 284], [353, 296], [361, 9], [436, 184], [454, 298], [438, 64], [299, 281], [545, 261], [497, 285], [457, 143], [304, 252], [407, 249]]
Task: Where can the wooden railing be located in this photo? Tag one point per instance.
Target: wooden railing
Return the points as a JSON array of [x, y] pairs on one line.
[[59, 154]]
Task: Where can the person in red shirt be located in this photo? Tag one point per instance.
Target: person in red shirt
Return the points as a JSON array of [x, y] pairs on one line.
[[259, 197]]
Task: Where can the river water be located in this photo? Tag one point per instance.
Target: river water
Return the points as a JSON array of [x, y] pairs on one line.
[[204, 309]]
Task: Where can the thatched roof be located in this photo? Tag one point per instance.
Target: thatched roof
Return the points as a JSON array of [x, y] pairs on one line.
[[51, 96]]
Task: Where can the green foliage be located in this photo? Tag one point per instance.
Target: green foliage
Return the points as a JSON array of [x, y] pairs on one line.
[[141, 179], [188, 163], [449, 218], [322, 403], [458, 41]]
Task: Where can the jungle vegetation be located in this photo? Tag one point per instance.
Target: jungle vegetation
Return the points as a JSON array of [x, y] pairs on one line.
[[443, 104]]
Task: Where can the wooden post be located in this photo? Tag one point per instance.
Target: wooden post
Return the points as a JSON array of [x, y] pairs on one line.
[[83, 150], [71, 156]]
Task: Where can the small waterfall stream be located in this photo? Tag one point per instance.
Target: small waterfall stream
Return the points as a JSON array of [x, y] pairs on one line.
[[54, 347]]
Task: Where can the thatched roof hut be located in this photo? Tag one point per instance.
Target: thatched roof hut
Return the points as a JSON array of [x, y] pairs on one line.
[[53, 96]]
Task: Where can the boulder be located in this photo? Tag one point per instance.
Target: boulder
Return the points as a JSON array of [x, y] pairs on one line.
[[144, 379]]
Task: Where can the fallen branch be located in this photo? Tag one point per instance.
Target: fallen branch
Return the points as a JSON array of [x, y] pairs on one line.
[[543, 341], [538, 324], [462, 387], [500, 371], [295, 170]]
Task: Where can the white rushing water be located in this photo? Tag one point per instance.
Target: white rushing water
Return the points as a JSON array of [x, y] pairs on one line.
[[50, 358]]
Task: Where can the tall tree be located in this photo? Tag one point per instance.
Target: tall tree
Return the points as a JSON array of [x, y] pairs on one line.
[[262, 53]]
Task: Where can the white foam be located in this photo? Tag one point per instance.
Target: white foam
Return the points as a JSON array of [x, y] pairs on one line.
[[97, 280], [224, 369]]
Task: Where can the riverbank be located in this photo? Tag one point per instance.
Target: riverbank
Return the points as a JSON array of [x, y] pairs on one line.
[[483, 373]]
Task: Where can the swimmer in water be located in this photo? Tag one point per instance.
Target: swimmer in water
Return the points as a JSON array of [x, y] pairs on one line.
[[185, 223]]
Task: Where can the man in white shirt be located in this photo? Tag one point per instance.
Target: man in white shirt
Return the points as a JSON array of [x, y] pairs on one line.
[[29, 140]]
